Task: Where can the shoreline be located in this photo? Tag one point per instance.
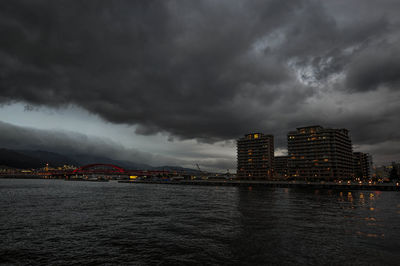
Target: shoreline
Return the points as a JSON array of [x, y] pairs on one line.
[[273, 184], [237, 183]]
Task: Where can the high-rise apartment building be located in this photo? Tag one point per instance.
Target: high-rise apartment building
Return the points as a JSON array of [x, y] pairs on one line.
[[362, 165], [255, 156], [281, 167], [317, 153]]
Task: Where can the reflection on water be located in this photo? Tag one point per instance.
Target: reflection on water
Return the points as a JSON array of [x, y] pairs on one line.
[[320, 226], [57, 222]]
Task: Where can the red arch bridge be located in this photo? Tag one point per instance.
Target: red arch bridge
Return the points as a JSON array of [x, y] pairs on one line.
[[108, 171]]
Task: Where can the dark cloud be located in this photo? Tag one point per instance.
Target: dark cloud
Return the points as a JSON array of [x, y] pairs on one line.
[[65, 143], [374, 68], [208, 70], [79, 145]]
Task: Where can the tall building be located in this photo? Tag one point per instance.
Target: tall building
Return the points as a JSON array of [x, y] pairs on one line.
[[281, 167], [362, 165], [255, 156], [317, 153]]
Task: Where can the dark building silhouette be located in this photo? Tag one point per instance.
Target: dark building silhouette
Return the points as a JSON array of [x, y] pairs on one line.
[[317, 153], [362, 165], [281, 170], [255, 156]]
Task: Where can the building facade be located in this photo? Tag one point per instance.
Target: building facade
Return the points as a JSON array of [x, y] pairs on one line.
[[281, 168], [362, 165], [255, 156], [317, 153]]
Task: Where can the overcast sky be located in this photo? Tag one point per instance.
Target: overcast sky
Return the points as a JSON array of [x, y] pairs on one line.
[[176, 82]]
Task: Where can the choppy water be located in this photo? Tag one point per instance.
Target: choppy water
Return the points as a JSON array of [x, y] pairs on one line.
[[58, 222]]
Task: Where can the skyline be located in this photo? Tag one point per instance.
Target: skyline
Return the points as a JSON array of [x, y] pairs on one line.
[[36, 135], [168, 83]]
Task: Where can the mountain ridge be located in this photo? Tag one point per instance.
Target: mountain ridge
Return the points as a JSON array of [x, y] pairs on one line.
[[30, 159]]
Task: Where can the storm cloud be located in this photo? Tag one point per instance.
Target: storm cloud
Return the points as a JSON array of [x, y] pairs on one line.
[[209, 70], [89, 147], [65, 143]]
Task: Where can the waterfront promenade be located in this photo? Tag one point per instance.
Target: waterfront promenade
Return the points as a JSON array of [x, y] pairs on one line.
[[279, 184]]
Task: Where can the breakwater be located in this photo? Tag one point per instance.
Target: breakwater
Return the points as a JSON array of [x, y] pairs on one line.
[[278, 184]]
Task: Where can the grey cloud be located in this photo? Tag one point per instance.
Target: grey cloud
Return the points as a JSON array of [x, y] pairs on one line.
[[374, 68], [66, 143], [77, 144], [164, 65], [208, 70]]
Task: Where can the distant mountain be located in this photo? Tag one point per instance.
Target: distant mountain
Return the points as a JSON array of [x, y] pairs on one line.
[[26, 159], [17, 159], [85, 159], [178, 169], [52, 158]]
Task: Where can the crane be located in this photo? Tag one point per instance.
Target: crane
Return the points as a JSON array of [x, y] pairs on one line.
[[203, 174]]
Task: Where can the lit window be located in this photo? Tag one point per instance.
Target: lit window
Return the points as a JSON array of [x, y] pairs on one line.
[[256, 136]]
